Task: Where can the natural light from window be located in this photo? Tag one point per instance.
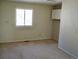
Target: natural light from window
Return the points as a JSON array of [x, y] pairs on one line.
[[24, 17]]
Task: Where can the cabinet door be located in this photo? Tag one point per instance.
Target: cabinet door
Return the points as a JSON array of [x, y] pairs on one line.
[[56, 14]]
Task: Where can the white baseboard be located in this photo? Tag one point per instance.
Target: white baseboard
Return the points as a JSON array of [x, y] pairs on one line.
[[21, 40], [74, 57]]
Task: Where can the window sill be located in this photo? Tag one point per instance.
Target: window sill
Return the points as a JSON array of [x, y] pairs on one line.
[[23, 27]]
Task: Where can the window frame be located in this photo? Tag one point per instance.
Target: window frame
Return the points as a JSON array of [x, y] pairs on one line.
[[24, 18]]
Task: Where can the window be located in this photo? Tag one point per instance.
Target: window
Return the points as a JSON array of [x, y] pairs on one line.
[[24, 17]]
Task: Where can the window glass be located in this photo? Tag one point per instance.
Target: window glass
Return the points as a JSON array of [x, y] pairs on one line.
[[23, 17], [28, 17]]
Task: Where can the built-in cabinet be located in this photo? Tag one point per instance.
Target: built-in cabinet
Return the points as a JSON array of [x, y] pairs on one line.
[[56, 13]]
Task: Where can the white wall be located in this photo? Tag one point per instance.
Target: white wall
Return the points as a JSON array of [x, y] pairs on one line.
[[68, 39], [56, 27], [42, 24], [0, 20]]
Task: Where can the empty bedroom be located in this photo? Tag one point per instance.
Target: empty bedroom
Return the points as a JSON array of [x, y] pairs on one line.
[[38, 29]]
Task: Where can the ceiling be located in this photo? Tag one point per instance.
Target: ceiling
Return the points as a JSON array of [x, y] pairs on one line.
[[50, 2]]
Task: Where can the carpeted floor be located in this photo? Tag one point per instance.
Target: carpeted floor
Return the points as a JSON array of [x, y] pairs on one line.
[[44, 49]]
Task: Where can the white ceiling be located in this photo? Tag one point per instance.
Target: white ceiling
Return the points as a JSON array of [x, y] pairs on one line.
[[51, 2]]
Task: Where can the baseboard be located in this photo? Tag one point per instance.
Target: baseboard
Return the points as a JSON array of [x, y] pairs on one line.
[[74, 57], [55, 39], [24, 40]]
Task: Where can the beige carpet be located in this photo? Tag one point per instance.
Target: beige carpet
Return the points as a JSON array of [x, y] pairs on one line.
[[44, 49]]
